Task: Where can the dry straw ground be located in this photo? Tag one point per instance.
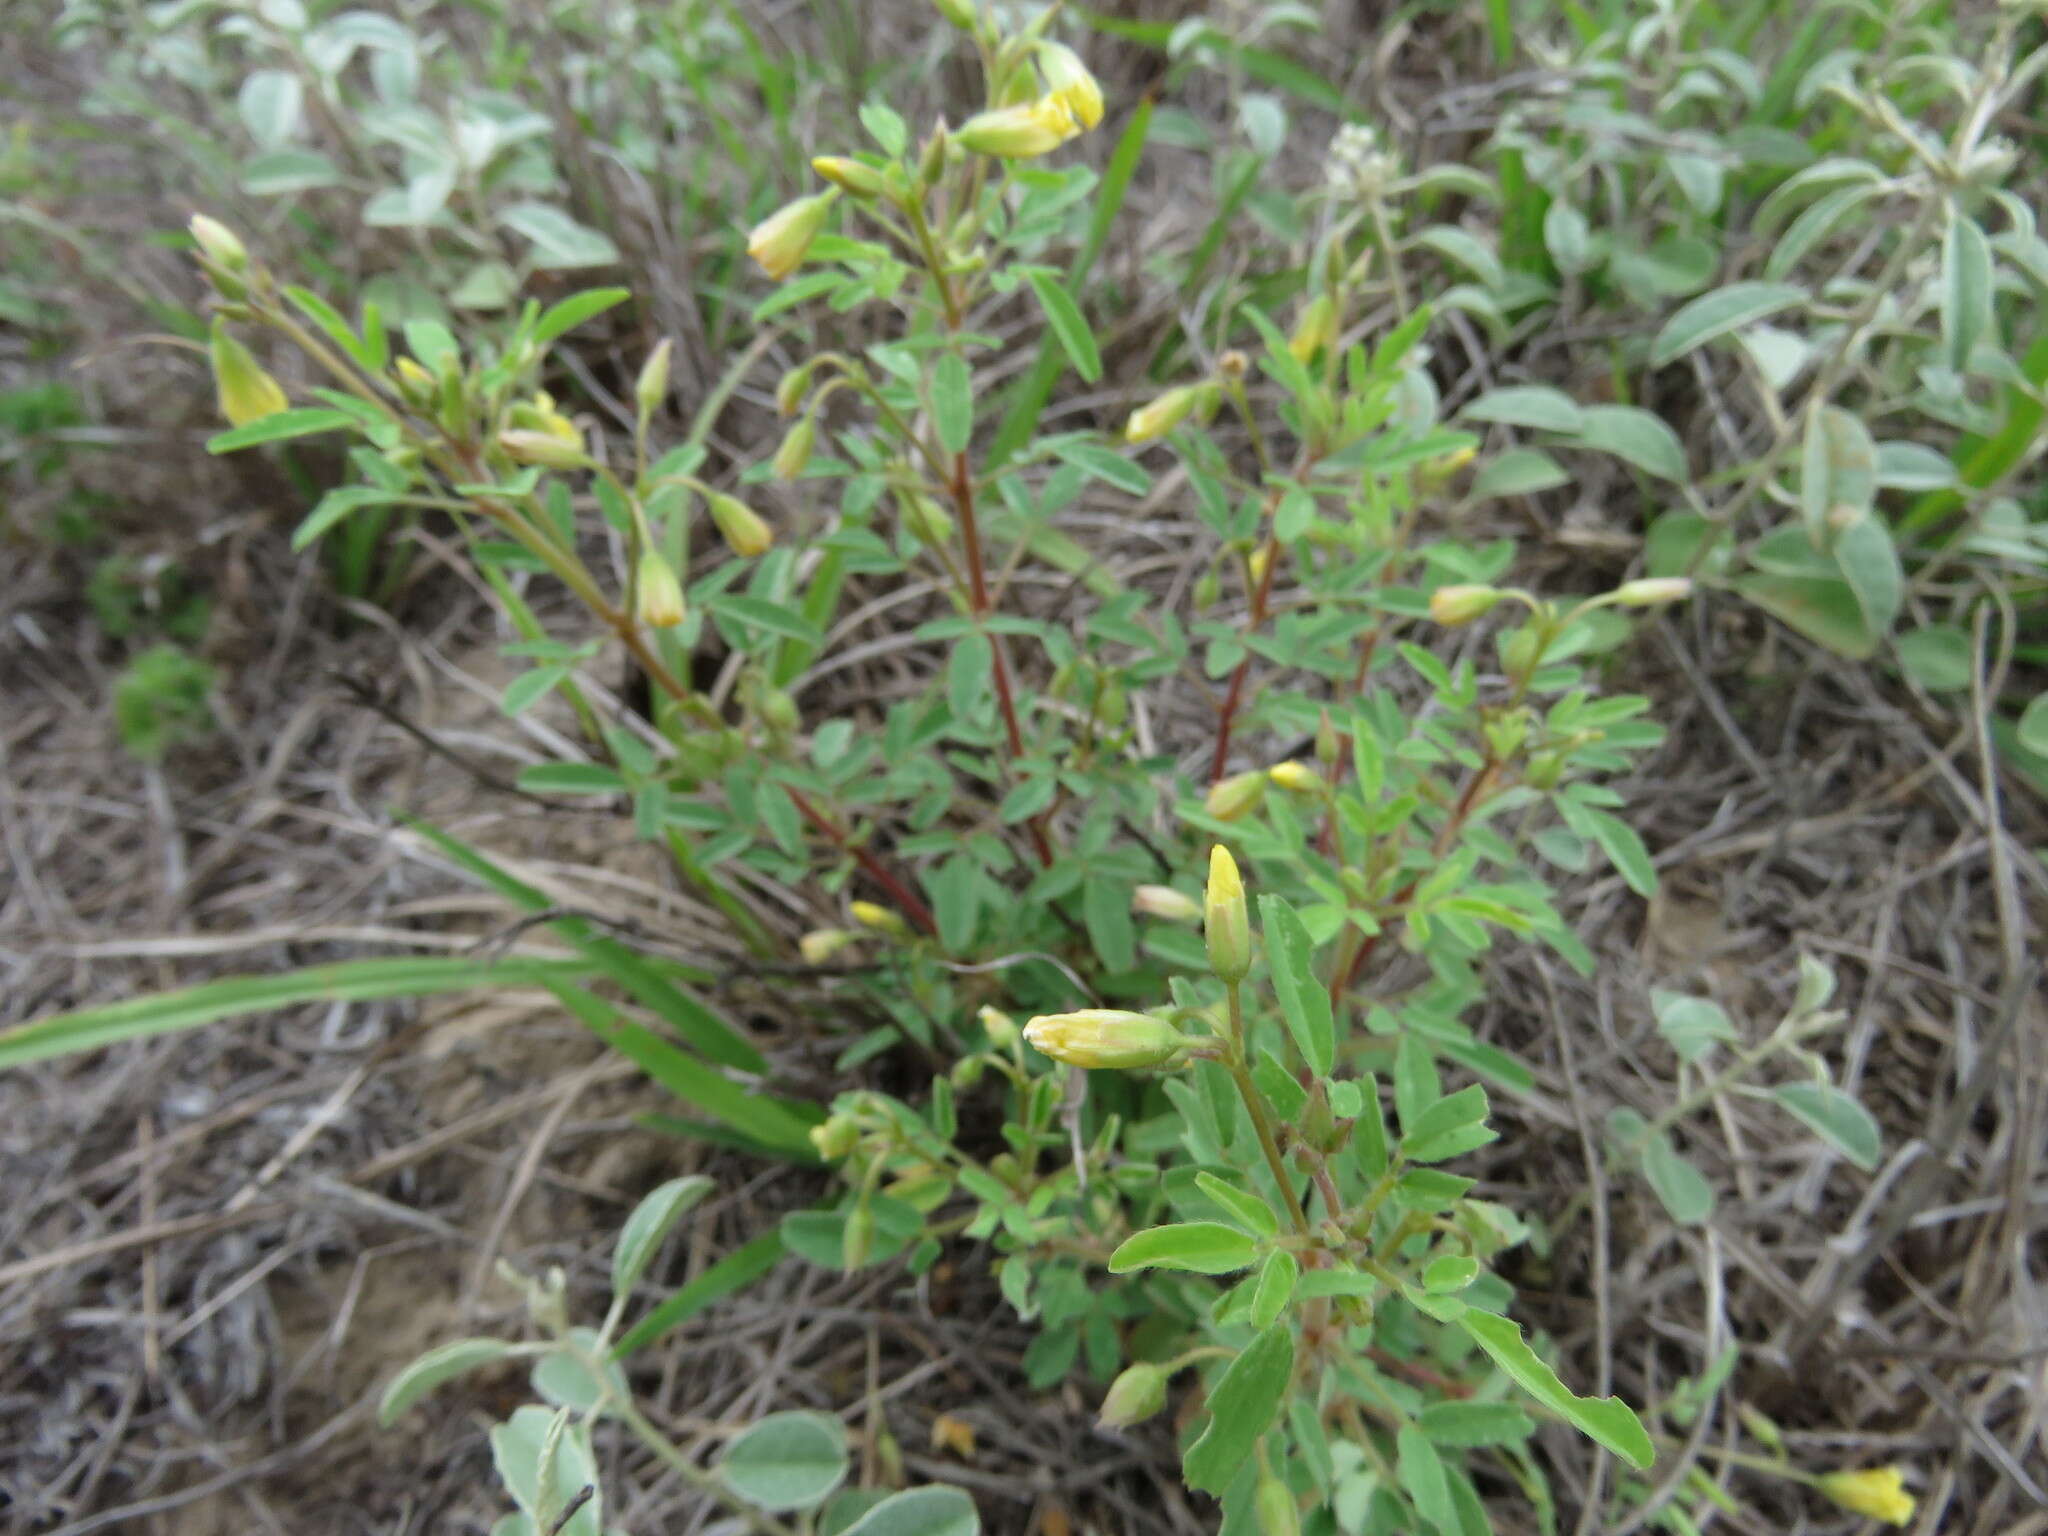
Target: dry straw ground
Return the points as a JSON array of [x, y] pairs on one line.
[[214, 1248]]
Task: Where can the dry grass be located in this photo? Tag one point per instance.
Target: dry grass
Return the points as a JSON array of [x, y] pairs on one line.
[[216, 1247]]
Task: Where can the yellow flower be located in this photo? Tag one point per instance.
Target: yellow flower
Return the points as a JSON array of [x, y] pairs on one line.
[[246, 392], [1071, 83], [1461, 604], [1879, 1492], [1020, 132], [780, 241], [1105, 1037], [871, 915], [1226, 922]]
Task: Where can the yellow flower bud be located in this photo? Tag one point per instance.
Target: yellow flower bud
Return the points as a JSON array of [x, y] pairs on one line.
[[795, 386], [651, 388], [1226, 921], [858, 1241], [1070, 81], [1236, 796], [246, 392], [1653, 591], [1164, 901], [1151, 422], [1138, 1392], [1438, 472], [836, 1137], [525, 446], [1879, 1493], [1000, 1028], [1297, 777], [879, 918], [745, 534], [849, 175], [1020, 132], [657, 594], [1314, 329], [415, 384], [795, 451], [1461, 604], [779, 242], [1260, 562], [821, 944], [218, 243], [1105, 1037]]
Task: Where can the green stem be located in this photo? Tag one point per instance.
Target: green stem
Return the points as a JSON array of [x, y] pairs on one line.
[[1262, 1123]]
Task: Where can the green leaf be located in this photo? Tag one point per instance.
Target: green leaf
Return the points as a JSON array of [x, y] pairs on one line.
[[1248, 1210], [279, 425], [1453, 1272], [1837, 470], [348, 981], [285, 171], [1683, 1189], [953, 402], [1618, 840], [786, 1461], [1635, 436], [775, 618], [1870, 564], [560, 318], [1690, 1025], [1528, 405], [572, 779], [1966, 290], [1822, 609], [933, 1511], [1203, 1247], [885, 127], [650, 1222], [1518, 472], [735, 1272], [1242, 1405], [1474, 1424], [1067, 322], [334, 506], [1716, 314], [1275, 1288], [1836, 1118], [538, 1450], [442, 1363], [1941, 659], [1607, 1420], [2032, 730], [1421, 1472], [1304, 1001], [559, 242]]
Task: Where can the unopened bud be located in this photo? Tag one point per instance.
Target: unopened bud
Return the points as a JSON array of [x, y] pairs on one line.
[[928, 522], [779, 712], [819, 945], [245, 391], [1138, 1392], [1233, 364], [1236, 796], [1653, 591], [835, 1137], [221, 245], [1020, 132], [1298, 778], [742, 528], [1000, 1028], [858, 1240], [1329, 746], [1879, 1493], [1315, 329], [869, 915], [415, 385], [651, 388], [1105, 1037], [795, 386], [849, 175], [1461, 604], [795, 451], [525, 446], [958, 12], [1226, 921], [780, 242], [1274, 1504], [1164, 901], [657, 593], [1260, 563], [1153, 421]]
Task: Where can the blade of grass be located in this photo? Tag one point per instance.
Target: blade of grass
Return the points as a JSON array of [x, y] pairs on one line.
[[737, 1270], [162, 1013]]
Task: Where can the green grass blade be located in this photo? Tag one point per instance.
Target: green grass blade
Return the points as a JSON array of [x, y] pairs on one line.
[[162, 1013], [737, 1270]]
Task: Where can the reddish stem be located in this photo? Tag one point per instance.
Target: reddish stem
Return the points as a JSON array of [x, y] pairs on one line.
[[905, 898], [977, 586]]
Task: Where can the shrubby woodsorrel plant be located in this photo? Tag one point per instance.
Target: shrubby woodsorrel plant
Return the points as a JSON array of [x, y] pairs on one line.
[[1013, 823]]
